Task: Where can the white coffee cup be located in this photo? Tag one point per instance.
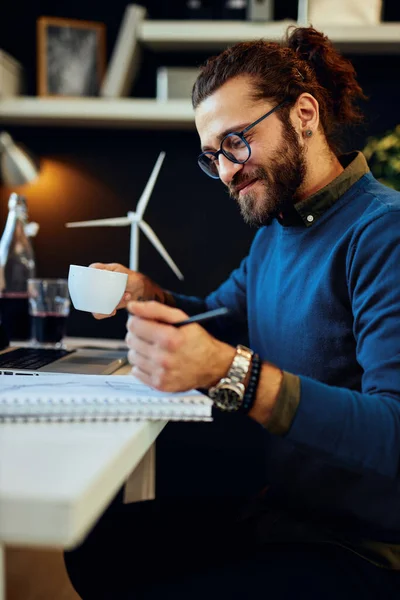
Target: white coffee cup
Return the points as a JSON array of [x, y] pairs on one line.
[[95, 290]]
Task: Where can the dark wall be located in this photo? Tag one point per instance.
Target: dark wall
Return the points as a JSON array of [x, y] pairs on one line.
[[98, 173]]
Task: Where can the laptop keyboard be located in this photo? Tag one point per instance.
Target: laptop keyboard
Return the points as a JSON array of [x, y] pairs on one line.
[[31, 358]]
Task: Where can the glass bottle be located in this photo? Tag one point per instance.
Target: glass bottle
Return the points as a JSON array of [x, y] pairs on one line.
[[17, 265]]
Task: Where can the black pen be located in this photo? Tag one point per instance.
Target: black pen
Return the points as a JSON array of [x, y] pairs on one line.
[[211, 314]]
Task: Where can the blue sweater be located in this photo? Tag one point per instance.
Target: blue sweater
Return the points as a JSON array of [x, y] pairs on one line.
[[323, 303]]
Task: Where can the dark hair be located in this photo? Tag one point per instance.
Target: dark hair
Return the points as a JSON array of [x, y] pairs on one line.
[[305, 61]]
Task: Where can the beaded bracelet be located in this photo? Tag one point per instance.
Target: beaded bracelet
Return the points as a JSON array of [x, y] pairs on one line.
[[250, 394]]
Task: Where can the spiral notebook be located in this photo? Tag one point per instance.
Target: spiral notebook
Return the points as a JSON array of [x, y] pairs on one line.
[[95, 398]]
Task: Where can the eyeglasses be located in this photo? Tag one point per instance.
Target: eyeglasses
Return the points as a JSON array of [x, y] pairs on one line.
[[234, 147]]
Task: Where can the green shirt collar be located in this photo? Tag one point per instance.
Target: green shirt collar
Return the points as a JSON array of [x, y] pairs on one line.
[[308, 211]]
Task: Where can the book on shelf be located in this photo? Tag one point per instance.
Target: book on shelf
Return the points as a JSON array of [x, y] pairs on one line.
[[175, 83], [11, 73], [125, 57], [260, 10], [90, 398]]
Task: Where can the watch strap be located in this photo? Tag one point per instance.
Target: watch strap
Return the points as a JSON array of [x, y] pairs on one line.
[[234, 381], [240, 365]]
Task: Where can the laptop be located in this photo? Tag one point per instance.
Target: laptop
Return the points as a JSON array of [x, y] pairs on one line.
[[45, 361]]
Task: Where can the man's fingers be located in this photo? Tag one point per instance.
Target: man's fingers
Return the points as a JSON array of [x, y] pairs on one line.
[[125, 298], [140, 346], [110, 267], [139, 361], [99, 316], [151, 321], [142, 375], [155, 311]]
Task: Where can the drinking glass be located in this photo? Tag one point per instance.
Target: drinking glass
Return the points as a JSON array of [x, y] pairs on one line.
[[49, 305]]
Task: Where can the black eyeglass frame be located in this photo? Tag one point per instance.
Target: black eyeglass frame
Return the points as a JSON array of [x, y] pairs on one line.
[[239, 134]]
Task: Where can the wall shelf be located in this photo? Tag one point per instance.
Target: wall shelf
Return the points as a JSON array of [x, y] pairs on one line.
[[180, 36], [97, 112], [213, 35]]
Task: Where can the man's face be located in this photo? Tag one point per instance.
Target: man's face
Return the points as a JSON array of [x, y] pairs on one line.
[[267, 183]]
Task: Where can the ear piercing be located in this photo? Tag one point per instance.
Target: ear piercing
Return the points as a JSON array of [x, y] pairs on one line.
[[309, 132]]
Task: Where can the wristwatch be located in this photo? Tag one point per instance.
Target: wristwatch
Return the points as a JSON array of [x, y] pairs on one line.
[[228, 393]]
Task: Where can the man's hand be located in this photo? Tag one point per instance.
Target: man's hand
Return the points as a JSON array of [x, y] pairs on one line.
[[169, 358], [138, 287]]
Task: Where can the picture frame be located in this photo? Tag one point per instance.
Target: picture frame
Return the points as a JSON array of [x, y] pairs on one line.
[[71, 57]]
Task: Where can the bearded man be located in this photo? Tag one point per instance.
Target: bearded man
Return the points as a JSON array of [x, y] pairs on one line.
[[319, 299]]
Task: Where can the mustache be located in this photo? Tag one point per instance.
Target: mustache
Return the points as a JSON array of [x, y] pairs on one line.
[[239, 180]]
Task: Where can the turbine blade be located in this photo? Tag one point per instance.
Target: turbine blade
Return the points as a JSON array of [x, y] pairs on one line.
[[145, 197], [149, 233], [114, 222]]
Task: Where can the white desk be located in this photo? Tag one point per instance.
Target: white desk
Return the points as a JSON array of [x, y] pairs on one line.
[[56, 479]]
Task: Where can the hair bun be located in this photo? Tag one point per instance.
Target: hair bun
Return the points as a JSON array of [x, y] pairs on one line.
[[308, 43], [333, 72]]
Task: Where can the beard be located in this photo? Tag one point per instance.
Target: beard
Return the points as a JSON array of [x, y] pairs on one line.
[[285, 174]]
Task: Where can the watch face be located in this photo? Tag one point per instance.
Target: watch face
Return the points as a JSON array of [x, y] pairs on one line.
[[228, 398]]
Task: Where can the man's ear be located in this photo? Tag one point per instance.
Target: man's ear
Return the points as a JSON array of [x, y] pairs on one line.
[[306, 115]]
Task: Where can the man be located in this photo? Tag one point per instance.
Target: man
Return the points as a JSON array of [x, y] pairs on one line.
[[319, 296]]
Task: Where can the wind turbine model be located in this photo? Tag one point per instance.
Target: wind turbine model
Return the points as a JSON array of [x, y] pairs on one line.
[[135, 220]]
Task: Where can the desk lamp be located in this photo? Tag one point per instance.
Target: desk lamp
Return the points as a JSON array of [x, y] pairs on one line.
[[16, 165]]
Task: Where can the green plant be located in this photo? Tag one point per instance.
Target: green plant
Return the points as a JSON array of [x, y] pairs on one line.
[[383, 156]]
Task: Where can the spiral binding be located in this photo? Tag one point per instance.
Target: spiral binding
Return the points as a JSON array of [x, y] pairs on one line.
[[75, 409]]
